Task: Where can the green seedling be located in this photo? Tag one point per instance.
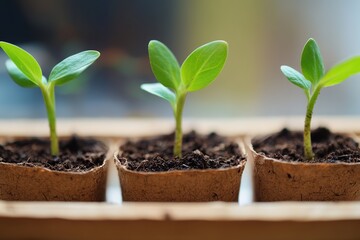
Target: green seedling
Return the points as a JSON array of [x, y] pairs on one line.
[[314, 78], [26, 72], [198, 70]]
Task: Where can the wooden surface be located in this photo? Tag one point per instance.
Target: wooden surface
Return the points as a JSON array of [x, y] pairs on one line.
[[135, 127], [179, 221], [132, 221]]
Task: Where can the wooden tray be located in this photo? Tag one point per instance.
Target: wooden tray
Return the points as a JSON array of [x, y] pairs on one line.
[[116, 220]]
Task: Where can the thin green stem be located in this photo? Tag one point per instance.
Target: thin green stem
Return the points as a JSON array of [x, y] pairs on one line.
[[49, 99], [308, 94], [309, 154], [180, 101]]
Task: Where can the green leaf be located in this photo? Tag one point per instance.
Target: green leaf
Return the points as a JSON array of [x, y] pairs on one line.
[[16, 75], [295, 77], [25, 62], [312, 65], [160, 90], [203, 65], [164, 65], [71, 67], [341, 72]]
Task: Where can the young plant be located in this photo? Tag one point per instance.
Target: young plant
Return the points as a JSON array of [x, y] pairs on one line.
[[26, 72], [314, 78], [198, 70]]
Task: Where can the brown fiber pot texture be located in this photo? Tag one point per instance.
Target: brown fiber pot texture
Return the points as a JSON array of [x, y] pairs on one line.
[[41, 184], [181, 186], [276, 180]]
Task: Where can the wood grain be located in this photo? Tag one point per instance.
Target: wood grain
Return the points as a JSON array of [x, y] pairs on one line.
[[139, 127], [209, 221]]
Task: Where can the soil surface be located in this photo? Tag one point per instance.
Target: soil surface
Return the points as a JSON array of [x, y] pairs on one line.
[[76, 154], [327, 146], [199, 152]]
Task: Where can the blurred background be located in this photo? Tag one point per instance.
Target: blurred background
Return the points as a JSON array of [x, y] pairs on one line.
[[262, 36]]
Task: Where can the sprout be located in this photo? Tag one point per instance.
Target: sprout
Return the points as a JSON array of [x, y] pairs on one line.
[[199, 69], [314, 79], [26, 72]]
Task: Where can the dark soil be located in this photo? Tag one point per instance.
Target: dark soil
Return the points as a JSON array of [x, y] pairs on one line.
[[76, 154], [199, 152], [327, 146]]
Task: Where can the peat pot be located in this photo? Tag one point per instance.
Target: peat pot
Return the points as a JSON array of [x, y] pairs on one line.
[[189, 185], [37, 183], [278, 180]]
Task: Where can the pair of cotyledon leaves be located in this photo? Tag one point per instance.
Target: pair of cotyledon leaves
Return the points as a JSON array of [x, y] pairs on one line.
[[26, 71], [198, 70], [313, 69]]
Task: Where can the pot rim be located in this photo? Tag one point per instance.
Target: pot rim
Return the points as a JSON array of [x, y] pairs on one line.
[[124, 168], [249, 146], [45, 169], [241, 164]]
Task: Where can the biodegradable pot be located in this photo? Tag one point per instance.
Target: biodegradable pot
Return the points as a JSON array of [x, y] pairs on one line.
[[41, 184], [277, 180], [180, 185], [38, 183]]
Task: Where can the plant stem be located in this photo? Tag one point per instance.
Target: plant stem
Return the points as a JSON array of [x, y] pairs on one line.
[[180, 101], [49, 99], [309, 154]]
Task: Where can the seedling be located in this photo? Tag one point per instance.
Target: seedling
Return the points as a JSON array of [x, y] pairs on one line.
[[26, 72], [198, 70], [314, 78]]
